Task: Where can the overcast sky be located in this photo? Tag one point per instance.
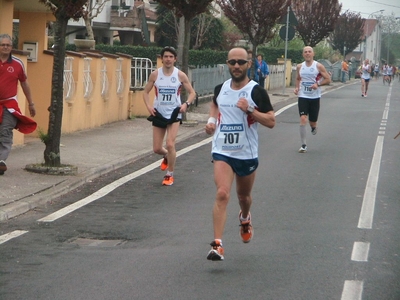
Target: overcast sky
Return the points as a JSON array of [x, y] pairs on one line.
[[366, 7]]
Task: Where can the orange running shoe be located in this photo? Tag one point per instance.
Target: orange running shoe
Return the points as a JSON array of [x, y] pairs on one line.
[[164, 164], [168, 180], [246, 229], [217, 251]]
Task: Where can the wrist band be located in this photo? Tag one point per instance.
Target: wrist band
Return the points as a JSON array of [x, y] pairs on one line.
[[212, 120]]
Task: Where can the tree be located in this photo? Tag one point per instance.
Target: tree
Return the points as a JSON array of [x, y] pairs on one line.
[[255, 18], [187, 9], [203, 24], [316, 19], [231, 34], [390, 39], [63, 10], [90, 11], [206, 30], [348, 32]]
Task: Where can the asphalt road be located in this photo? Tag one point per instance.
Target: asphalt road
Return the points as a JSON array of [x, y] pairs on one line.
[[326, 221]]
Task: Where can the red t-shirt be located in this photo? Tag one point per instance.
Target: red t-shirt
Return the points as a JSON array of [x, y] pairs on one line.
[[11, 71]]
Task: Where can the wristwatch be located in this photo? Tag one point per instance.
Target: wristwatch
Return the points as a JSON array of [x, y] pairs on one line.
[[250, 108], [187, 103]]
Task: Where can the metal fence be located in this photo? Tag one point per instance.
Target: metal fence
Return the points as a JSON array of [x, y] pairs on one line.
[[141, 69], [203, 78], [276, 76]]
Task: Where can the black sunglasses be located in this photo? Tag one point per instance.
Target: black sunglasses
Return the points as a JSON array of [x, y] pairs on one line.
[[241, 62]]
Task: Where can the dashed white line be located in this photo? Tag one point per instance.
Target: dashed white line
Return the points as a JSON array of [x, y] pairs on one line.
[[352, 290], [8, 236], [360, 251], [368, 205]]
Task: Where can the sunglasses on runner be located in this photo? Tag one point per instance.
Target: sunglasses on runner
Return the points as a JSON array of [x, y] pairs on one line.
[[241, 62]]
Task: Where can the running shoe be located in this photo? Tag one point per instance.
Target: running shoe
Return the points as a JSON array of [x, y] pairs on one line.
[[164, 164], [365, 95], [217, 252], [3, 167], [246, 229], [314, 130], [303, 149], [168, 180]]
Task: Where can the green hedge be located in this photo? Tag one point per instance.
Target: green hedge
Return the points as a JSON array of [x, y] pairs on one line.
[[272, 54], [196, 57]]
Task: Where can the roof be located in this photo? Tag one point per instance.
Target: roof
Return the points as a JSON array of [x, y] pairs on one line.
[[369, 26]]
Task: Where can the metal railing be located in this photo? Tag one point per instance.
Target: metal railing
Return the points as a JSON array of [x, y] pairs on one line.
[[204, 79], [69, 82], [120, 77], [87, 79], [141, 69], [276, 76], [104, 80]]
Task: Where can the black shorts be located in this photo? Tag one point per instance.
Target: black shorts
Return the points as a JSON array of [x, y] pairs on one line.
[[309, 107], [241, 167]]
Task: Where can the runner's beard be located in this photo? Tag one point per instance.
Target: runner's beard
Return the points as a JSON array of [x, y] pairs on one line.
[[238, 78]]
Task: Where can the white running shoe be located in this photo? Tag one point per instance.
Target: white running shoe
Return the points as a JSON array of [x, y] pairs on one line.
[[303, 149]]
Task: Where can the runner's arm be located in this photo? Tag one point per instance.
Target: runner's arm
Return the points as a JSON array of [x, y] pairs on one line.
[[149, 85]]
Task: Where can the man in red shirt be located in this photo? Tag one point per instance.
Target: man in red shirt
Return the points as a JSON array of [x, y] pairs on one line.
[[12, 70]]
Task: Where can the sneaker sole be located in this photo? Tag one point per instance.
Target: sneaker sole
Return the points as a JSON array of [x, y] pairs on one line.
[[214, 256]]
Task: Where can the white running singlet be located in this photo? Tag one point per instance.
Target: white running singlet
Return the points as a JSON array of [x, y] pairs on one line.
[[365, 74], [384, 70], [309, 76], [236, 132], [168, 93]]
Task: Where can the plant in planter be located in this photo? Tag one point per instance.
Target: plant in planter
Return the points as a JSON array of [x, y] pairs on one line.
[[90, 11]]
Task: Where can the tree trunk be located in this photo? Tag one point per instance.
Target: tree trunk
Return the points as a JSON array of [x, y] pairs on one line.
[[186, 46], [52, 156], [89, 29], [181, 41], [185, 60]]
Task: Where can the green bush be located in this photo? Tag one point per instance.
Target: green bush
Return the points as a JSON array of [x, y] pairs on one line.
[[272, 54], [196, 57]]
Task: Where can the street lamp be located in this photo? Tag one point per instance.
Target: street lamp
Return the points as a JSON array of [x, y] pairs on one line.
[[365, 41]]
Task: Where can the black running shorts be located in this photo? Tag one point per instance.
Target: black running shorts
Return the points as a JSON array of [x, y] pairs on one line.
[[309, 107]]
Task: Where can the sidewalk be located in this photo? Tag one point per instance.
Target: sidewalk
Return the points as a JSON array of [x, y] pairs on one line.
[[94, 152]]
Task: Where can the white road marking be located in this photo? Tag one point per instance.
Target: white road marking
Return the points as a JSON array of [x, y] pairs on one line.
[[360, 251], [8, 236], [352, 290], [284, 108], [112, 186], [368, 205]]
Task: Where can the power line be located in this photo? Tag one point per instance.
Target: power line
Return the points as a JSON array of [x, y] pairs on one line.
[[383, 3]]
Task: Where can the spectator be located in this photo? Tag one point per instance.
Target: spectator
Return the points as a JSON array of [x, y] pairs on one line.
[[345, 70], [262, 70]]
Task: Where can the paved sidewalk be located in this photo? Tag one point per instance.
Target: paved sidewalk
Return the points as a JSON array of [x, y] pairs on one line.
[[94, 152]]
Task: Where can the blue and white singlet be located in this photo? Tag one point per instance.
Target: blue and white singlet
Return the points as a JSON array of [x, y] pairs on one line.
[[309, 76], [168, 93], [236, 133]]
